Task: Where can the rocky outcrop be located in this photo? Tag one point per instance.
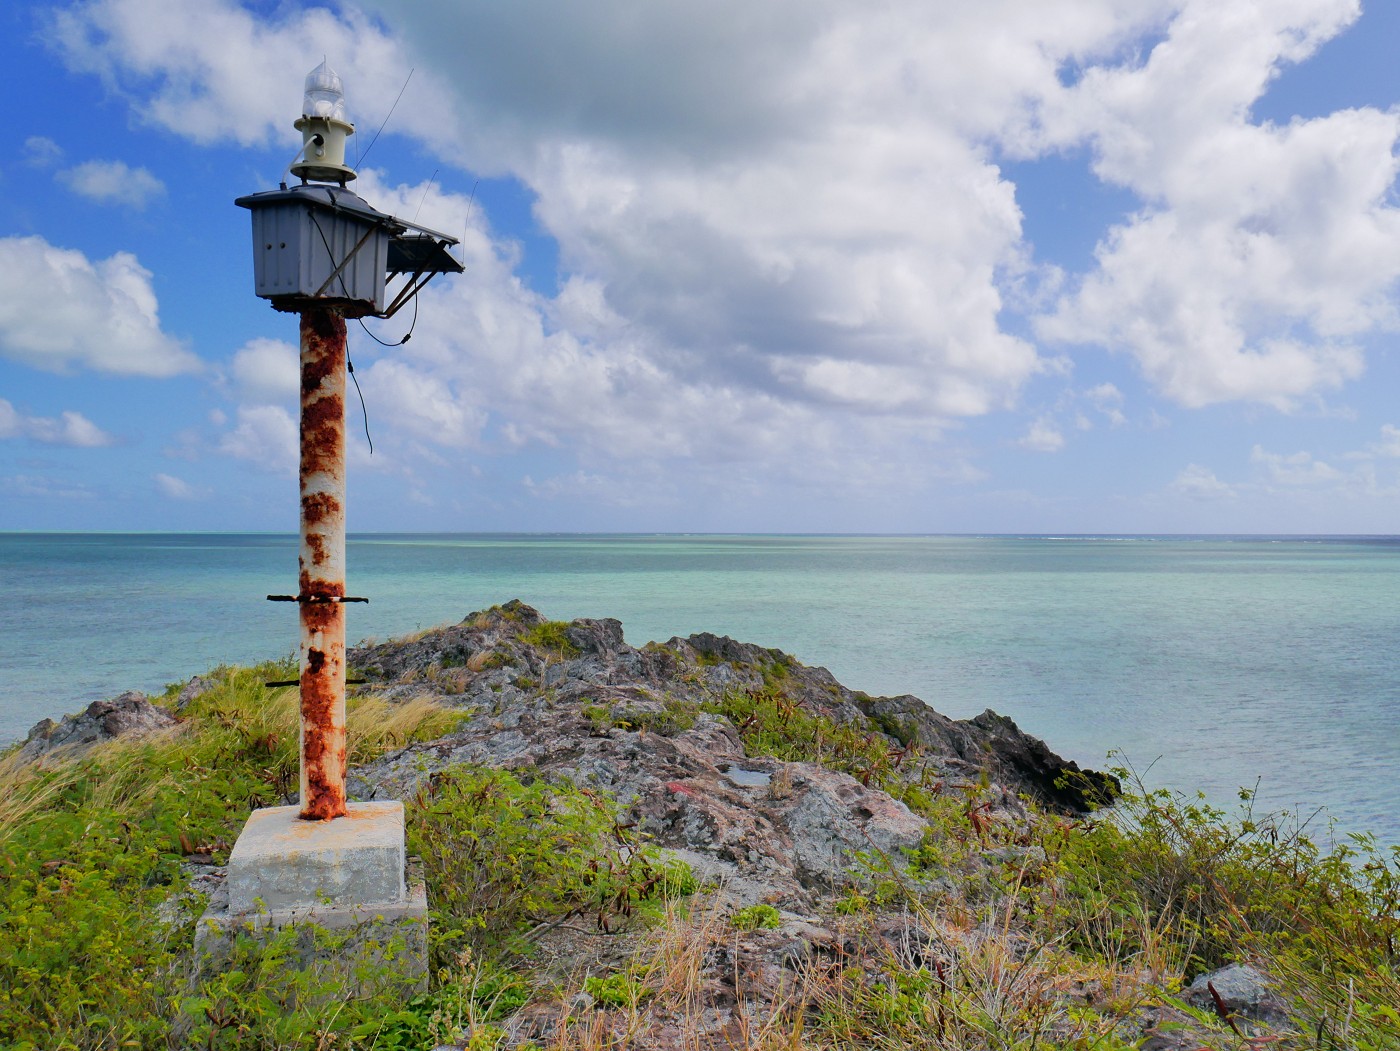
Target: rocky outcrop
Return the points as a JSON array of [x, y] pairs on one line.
[[127, 715], [645, 727]]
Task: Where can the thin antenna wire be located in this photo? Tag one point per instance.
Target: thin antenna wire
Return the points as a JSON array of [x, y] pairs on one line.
[[372, 141], [423, 200], [466, 223]]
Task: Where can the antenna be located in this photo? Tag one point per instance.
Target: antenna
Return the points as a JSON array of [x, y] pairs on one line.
[[386, 117], [423, 200], [466, 222]]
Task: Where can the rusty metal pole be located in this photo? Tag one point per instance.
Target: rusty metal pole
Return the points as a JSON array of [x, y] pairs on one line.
[[322, 560]]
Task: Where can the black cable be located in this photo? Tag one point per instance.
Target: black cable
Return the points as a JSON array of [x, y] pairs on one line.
[[407, 335], [344, 288], [330, 256], [351, 366]]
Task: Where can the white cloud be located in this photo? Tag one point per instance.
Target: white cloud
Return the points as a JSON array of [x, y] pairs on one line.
[[59, 310], [1386, 448], [1108, 399], [177, 488], [69, 428], [1043, 437], [265, 435], [211, 70], [1262, 252], [41, 152], [26, 485], [267, 371], [113, 182], [1200, 483], [1294, 469], [420, 404], [784, 237]]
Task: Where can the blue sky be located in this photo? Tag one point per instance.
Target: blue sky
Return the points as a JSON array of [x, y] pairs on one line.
[[1018, 266]]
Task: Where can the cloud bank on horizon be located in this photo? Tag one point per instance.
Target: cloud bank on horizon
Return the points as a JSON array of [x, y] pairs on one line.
[[1070, 264]]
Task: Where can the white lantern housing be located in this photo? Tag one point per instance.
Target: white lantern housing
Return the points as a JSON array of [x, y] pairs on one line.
[[324, 129]]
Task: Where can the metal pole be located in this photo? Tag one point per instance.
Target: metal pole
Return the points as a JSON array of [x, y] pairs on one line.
[[322, 559]]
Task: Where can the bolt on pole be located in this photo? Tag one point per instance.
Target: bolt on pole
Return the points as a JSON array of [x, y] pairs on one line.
[[322, 564]]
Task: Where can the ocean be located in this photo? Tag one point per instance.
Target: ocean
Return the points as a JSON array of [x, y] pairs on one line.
[[1205, 663]]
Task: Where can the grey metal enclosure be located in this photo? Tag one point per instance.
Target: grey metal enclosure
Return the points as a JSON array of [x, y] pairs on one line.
[[320, 244]]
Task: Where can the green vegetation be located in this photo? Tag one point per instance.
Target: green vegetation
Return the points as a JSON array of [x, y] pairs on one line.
[[616, 990], [507, 859], [674, 717], [1136, 902], [1035, 932], [772, 724], [553, 637], [98, 928], [757, 917]]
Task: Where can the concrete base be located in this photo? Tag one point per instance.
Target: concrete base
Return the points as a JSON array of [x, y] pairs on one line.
[[282, 863], [357, 908]]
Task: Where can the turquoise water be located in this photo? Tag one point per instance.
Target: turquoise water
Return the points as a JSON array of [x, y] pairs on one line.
[[1215, 661]]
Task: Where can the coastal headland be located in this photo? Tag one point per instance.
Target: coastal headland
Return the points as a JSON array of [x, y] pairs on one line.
[[696, 844]]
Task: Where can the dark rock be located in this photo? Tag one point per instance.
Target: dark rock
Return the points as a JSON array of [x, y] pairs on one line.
[[129, 714], [602, 637], [1058, 782], [1242, 990]]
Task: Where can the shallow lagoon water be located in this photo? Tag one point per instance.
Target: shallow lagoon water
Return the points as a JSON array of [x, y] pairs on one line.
[[1214, 661]]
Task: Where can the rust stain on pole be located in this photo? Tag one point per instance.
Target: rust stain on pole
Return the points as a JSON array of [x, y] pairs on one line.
[[322, 564]]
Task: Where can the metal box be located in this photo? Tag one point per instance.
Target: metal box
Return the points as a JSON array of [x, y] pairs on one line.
[[316, 244]]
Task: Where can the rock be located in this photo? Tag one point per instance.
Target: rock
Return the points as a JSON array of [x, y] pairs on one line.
[[995, 744], [601, 637], [831, 816], [1243, 990], [632, 724], [191, 690], [128, 715], [1051, 779]]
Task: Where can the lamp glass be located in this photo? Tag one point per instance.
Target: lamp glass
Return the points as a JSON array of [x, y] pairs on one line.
[[325, 95]]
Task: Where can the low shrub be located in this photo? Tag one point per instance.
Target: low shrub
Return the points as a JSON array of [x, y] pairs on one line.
[[506, 857]]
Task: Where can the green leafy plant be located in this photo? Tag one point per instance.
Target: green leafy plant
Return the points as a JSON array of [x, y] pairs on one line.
[[757, 917], [553, 637], [617, 990], [506, 856]]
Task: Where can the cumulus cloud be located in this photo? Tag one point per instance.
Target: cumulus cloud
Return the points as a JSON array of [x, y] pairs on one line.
[[69, 428], [113, 182], [784, 229], [265, 435], [266, 371], [1262, 253], [1294, 469], [1200, 483], [212, 71], [59, 311], [1043, 437]]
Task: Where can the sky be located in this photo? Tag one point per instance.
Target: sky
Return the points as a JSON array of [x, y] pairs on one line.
[[904, 266]]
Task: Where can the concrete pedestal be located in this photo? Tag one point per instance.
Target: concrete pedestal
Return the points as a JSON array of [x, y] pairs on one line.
[[281, 863], [346, 886]]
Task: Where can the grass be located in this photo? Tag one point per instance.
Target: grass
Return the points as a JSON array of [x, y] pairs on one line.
[[1035, 933], [553, 637]]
